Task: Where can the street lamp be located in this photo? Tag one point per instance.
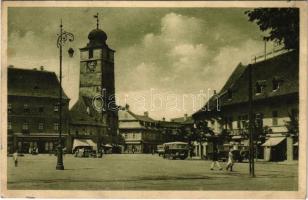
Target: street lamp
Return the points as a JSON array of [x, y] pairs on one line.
[[62, 38]]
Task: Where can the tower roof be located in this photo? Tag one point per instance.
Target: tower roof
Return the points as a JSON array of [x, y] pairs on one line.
[[97, 37]]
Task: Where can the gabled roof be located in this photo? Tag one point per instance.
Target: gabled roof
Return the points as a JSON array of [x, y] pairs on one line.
[[141, 118], [83, 113], [284, 68], [35, 83]]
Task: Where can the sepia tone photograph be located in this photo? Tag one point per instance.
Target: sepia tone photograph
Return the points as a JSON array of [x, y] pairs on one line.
[[105, 97]]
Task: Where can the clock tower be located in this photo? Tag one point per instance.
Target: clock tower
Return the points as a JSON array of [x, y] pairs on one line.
[[97, 77]]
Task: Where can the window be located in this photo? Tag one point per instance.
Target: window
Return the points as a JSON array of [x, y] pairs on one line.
[[9, 108], [230, 125], [41, 126], [41, 109], [25, 126], [90, 53], [275, 118], [239, 122], [275, 85], [56, 126], [9, 125], [26, 108], [258, 89], [259, 120], [56, 108], [260, 85]]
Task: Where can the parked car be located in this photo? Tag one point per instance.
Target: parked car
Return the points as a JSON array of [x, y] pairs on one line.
[[174, 150]]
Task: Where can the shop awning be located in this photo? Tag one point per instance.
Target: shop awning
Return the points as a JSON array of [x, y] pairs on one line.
[[237, 137], [92, 144], [107, 145], [279, 129], [273, 141], [84, 143]]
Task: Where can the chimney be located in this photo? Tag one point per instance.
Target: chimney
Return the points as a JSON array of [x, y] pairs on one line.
[[164, 119], [34, 69], [11, 66], [42, 68], [126, 107], [146, 113], [185, 117], [214, 92]]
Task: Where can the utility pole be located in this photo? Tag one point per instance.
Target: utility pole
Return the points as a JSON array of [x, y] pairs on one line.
[[251, 124]]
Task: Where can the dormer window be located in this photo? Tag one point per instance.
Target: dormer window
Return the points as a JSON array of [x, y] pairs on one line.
[[276, 83], [260, 85], [229, 93]]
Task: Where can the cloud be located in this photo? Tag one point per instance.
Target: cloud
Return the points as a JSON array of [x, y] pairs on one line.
[[181, 50], [182, 57]]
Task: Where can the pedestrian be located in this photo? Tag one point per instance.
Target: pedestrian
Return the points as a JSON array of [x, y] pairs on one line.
[[230, 162], [15, 158], [215, 160]]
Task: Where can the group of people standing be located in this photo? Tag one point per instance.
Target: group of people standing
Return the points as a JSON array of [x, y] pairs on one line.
[[230, 162]]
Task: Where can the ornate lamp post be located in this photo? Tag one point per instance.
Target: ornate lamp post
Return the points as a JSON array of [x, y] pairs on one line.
[[62, 38]]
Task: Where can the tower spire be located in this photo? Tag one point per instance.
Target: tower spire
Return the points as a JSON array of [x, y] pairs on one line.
[[97, 20]]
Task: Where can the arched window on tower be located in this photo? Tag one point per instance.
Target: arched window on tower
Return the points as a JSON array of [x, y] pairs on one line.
[[90, 53]]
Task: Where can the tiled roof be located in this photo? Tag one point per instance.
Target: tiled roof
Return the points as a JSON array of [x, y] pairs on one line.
[[35, 83], [167, 124], [83, 113], [142, 117], [284, 68], [182, 120]]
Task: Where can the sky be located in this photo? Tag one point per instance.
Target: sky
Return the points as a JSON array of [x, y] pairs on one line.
[[168, 61]]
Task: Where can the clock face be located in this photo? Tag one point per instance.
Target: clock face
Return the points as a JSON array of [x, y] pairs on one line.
[[91, 65]]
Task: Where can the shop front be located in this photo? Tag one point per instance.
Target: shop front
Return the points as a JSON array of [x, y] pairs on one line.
[[38, 143]]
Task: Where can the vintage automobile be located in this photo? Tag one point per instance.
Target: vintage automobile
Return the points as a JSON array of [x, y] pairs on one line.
[[160, 150], [174, 150]]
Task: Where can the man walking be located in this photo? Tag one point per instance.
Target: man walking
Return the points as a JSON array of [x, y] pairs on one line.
[[215, 159], [15, 158], [230, 162]]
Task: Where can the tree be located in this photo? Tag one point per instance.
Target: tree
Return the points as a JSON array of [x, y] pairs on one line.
[[282, 24], [201, 132]]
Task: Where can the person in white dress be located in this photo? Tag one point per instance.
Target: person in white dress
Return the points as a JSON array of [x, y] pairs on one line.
[[230, 162]]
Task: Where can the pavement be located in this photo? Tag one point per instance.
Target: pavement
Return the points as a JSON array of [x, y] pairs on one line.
[[145, 172]]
